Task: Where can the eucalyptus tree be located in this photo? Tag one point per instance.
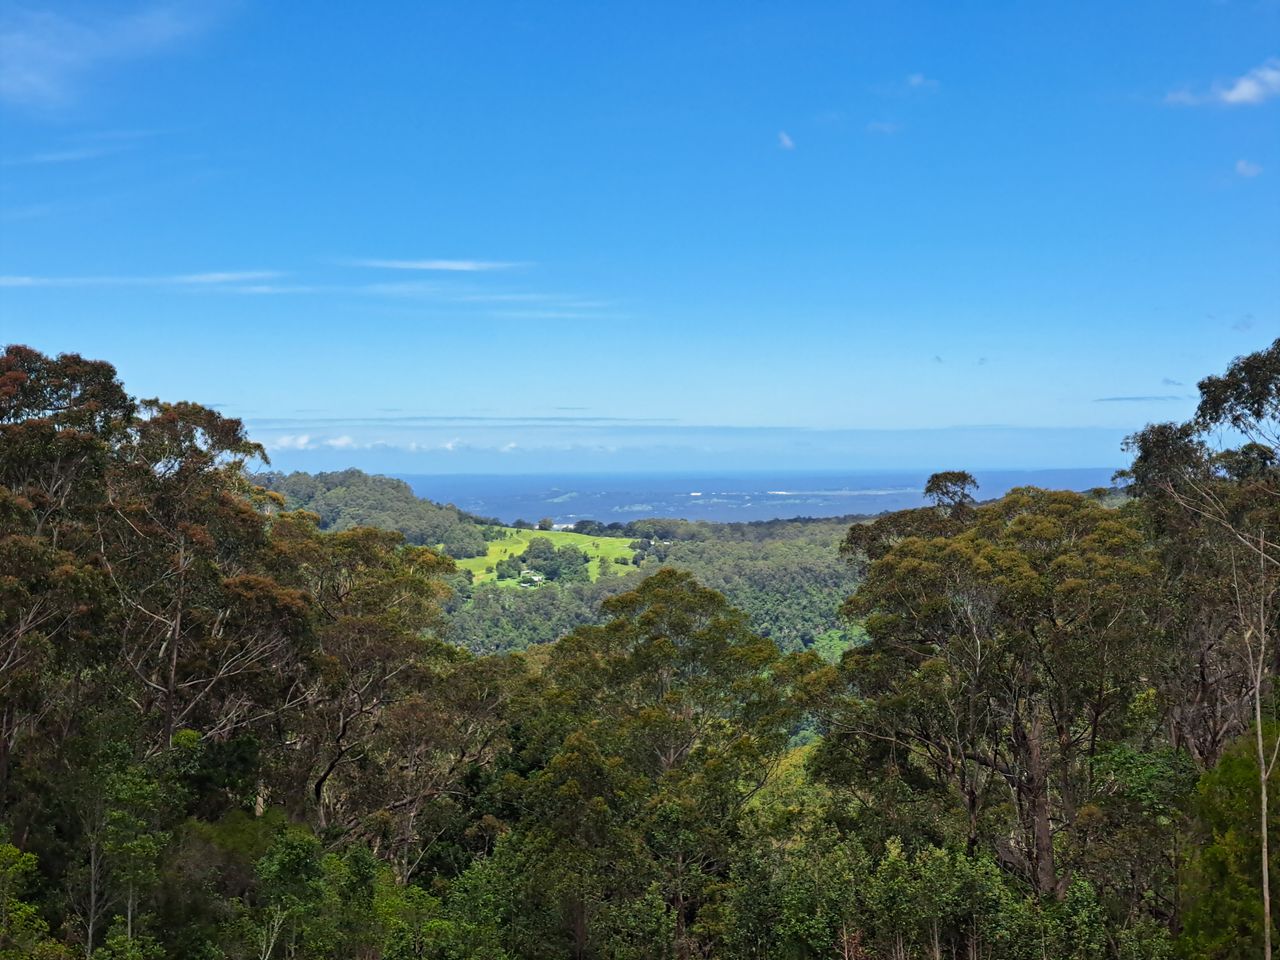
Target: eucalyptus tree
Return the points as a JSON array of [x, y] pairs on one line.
[[1212, 487], [1006, 650]]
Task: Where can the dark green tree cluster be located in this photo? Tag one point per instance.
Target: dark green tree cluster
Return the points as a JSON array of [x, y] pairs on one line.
[[790, 585], [546, 561], [496, 619], [353, 498]]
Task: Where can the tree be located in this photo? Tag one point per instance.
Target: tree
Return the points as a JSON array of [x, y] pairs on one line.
[[950, 490], [1228, 499], [377, 608], [184, 549], [24, 934], [290, 888], [674, 714], [1001, 660], [952, 508], [1223, 916], [60, 420]]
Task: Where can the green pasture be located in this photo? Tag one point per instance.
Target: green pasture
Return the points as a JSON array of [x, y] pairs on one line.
[[600, 549]]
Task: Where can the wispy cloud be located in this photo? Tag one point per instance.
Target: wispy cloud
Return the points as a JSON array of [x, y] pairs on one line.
[[411, 420], [30, 211], [566, 300], [224, 276], [274, 283], [177, 280], [410, 288], [1170, 382], [883, 128], [785, 141], [447, 266], [506, 297], [274, 289], [46, 57], [1247, 168], [1153, 398], [70, 155], [551, 315], [912, 85], [1259, 85]]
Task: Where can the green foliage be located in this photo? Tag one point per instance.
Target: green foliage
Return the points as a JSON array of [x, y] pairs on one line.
[[231, 730], [1222, 908], [24, 933], [784, 575], [352, 498], [120, 944], [667, 720]]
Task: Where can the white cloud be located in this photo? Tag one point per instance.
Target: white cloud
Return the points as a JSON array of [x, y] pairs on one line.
[[1260, 84], [300, 441], [1247, 168], [306, 441], [785, 141], [920, 82], [449, 266], [180, 280], [45, 57]]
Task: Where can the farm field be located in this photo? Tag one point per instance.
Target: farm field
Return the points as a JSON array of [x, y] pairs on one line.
[[600, 549]]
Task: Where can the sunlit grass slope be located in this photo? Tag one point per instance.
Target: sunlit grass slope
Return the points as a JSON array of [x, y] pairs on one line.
[[600, 549]]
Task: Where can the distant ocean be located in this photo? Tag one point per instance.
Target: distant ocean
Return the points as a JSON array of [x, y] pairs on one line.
[[568, 498]]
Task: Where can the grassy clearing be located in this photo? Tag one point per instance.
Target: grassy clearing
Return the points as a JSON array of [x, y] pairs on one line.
[[600, 549]]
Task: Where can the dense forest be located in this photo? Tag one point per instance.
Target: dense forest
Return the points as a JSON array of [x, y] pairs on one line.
[[353, 498], [783, 574], [236, 722]]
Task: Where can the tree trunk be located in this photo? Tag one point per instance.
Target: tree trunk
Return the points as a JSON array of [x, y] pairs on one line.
[[579, 911], [1046, 875], [1263, 770]]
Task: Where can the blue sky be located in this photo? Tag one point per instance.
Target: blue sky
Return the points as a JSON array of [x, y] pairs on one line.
[[468, 237]]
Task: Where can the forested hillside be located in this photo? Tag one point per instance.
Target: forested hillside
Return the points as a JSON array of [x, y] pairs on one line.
[[230, 731], [786, 576], [353, 498]]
